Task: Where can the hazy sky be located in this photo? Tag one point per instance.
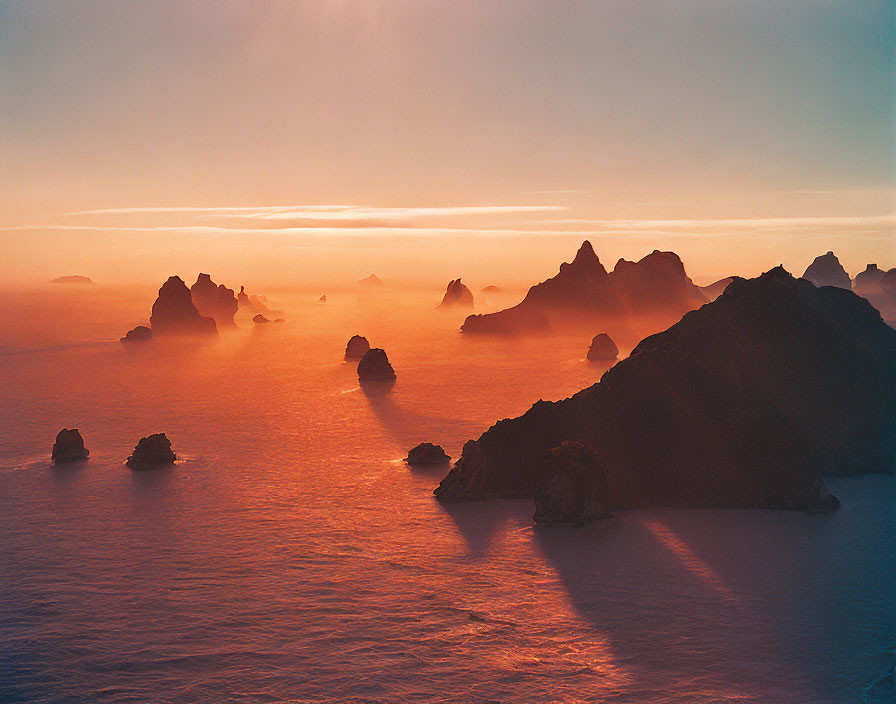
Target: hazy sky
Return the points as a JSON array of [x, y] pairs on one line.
[[631, 122]]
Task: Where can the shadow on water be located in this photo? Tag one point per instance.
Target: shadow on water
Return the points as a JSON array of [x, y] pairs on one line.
[[759, 596], [478, 522]]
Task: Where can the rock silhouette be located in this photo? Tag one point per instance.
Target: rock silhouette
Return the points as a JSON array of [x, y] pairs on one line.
[[826, 270], [214, 301], [173, 313], [868, 281], [322, 299], [457, 296], [76, 279], [141, 333], [649, 294], [357, 347], [242, 299], [152, 451], [745, 402], [374, 366], [602, 348], [427, 453], [716, 289], [572, 486], [69, 446], [371, 282], [260, 319]]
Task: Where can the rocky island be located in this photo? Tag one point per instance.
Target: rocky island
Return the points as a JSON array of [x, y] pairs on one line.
[[69, 447], [745, 402], [174, 313]]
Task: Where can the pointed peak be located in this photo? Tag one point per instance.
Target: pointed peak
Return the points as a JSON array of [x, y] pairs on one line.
[[585, 253]]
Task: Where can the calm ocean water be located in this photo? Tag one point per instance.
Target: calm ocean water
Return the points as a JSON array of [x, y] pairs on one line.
[[290, 556]]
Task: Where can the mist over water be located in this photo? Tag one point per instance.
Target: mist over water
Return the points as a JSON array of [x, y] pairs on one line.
[[290, 555]]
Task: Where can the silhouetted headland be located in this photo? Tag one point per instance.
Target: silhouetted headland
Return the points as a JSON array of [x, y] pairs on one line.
[[152, 451], [69, 446], [648, 294], [173, 313], [427, 453], [745, 402], [572, 486], [602, 348], [374, 366], [826, 270], [457, 296]]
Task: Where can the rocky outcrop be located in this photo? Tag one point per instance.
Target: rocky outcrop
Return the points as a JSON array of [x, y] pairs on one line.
[[602, 348], [371, 282], [357, 347], [745, 402], [457, 296], [374, 366], [868, 281], [173, 313], [427, 453], [322, 299], [260, 319], [69, 446], [141, 333], [242, 298], [76, 279], [152, 451], [214, 301], [826, 270], [646, 295], [572, 486]]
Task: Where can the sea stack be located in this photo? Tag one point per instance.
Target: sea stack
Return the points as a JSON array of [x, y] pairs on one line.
[[826, 270], [427, 453], [242, 299], [173, 313], [374, 366], [141, 333], [260, 319], [69, 447], [457, 296], [746, 402], [357, 347], [214, 301], [572, 487], [152, 451], [602, 348]]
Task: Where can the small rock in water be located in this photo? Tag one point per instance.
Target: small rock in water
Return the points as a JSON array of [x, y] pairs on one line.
[[374, 366], [572, 487], [152, 451], [141, 333], [602, 348], [260, 319], [427, 453], [323, 299], [69, 446], [357, 347]]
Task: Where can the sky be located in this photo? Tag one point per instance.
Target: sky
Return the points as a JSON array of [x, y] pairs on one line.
[[315, 142]]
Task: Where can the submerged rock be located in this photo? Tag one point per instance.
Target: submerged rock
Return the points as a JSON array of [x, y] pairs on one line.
[[572, 486], [457, 295], [374, 366], [427, 453], [69, 446], [602, 348], [357, 347], [141, 333], [173, 313], [152, 451], [214, 301], [826, 270], [745, 402]]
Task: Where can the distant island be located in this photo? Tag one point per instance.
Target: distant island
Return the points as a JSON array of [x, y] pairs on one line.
[[79, 280]]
